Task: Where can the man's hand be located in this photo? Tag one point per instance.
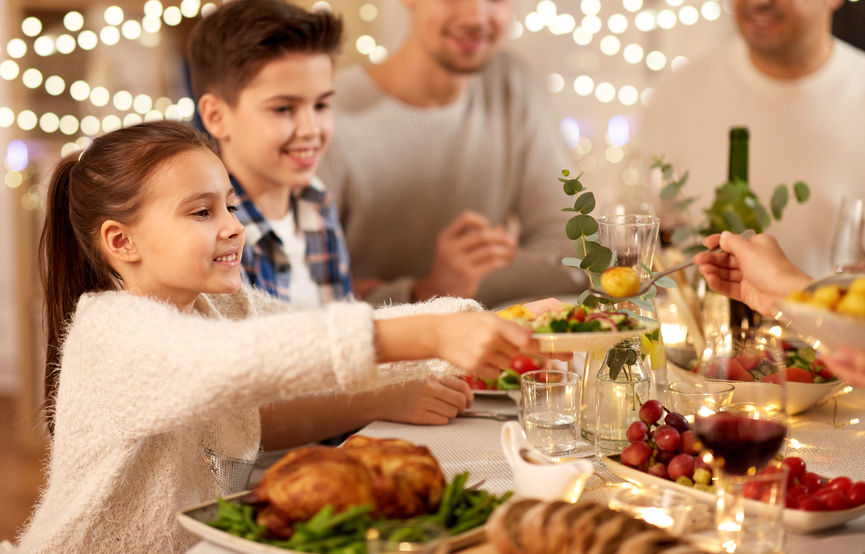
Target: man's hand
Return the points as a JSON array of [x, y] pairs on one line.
[[467, 250], [754, 271], [433, 401]]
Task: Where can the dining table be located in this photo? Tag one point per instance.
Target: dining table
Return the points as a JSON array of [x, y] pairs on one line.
[[830, 437]]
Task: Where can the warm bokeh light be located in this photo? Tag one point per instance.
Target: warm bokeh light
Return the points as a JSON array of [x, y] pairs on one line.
[[73, 21], [16, 48], [87, 40], [27, 120], [79, 90], [31, 78], [65, 44], [31, 26], [555, 82], [368, 12], [68, 124], [584, 85], [142, 104], [113, 15], [172, 16]]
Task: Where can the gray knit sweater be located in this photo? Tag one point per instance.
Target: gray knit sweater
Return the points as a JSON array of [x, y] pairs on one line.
[[144, 389], [400, 174]]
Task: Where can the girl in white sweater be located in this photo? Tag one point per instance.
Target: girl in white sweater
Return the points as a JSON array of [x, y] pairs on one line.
[[156, 355]]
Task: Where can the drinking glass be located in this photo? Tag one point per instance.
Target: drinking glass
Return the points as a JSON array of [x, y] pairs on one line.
[[741, 438], [632, 237], [548, 410], [690, 398], [848, 244], [662, 507], [756, 525]]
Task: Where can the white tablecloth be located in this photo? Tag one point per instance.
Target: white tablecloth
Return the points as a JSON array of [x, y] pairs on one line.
[[473, 445]]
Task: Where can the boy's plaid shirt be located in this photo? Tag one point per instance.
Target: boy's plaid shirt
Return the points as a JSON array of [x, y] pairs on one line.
[[265, 264]]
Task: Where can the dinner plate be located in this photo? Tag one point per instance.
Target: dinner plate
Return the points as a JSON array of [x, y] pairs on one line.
[[586, 342], [821, 326], [798, 521], [195, 520], [492, 392], [800, 396]]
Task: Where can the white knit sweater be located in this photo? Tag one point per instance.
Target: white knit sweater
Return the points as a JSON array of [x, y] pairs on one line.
[[144, 389]]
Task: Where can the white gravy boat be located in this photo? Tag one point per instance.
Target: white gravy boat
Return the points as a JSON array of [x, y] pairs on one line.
[[539, 476]]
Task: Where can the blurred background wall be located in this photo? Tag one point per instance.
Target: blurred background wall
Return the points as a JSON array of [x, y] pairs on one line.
[[73, 69]]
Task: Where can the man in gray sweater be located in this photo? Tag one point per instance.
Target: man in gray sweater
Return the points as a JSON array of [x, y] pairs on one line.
[[445, 163]]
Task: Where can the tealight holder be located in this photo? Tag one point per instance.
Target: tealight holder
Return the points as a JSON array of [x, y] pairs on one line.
[[664, 508]]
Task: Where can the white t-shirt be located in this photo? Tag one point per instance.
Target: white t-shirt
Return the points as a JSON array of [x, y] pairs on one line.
[[807, 129], [302, 290]]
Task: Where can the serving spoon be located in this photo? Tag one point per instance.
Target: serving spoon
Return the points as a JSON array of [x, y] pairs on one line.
[[644, 287]]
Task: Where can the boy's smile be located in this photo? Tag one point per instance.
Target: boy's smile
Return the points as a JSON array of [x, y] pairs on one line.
[[275, 135]]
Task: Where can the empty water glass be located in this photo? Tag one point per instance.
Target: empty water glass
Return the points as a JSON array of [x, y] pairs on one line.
[[548, 410]]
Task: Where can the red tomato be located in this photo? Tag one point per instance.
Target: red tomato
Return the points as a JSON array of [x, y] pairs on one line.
[[796, 465], [797, 491], [753, 490], [834, 500], [522, 363], [579, 314], [791, 502], [475, 382], [856, 494], [736, 372], [811, 504], [748, 362], [812, 481], [840, 484]]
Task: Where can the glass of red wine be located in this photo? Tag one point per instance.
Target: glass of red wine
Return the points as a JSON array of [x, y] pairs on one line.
[[740, 439]]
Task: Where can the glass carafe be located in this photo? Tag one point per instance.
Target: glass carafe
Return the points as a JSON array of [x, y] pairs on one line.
[[618, 387]]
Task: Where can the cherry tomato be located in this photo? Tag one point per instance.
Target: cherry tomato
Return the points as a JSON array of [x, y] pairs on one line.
[[475, 382], [840, 484], [811, 504], [753, 490], [812, 481], [796, 465], [856, 493], [791, 502], [521, 363], [833, 499], [579, 314]]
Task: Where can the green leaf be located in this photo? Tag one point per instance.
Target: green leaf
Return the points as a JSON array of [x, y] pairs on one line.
[[580, 225], [583, 249], [643, 303], [763, 219], [585, 203], [684, 179], [566, 173], [572, 186], [685, 203], [597, 258], [590, 300], [681, 234], [670, 191], [646, 268], [733, 220], [666, 282], [667, 171], [568, 210], [582, 297], [572, 262], [801, 191], [779, 200]]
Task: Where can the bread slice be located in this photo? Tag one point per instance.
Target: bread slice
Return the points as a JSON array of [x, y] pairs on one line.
[[502, 527], [532, 530], [558, 534], [610, 535], [656, 541], [583, 529]]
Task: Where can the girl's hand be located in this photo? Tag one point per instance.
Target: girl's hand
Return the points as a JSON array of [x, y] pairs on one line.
[[480, 343], [433, 401]]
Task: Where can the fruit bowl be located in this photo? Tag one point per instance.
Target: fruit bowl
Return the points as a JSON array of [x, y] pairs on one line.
[[798, 521], [800, 396], [820, 325]]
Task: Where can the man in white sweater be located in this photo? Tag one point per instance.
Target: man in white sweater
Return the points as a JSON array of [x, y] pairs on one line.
[[444, 165], [802, 95]]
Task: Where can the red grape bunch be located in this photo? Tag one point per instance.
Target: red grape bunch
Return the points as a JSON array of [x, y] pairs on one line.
[[668, 450]]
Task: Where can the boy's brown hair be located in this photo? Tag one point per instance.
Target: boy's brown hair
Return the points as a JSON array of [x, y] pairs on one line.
[[228, 48]]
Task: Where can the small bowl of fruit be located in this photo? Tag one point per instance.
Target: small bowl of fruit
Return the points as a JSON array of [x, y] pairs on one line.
[[830, 310]]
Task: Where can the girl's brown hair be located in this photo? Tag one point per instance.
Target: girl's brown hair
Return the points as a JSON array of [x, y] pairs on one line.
[[106, 181]]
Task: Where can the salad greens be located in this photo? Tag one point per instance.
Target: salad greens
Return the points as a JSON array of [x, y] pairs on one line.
[[460, 510]]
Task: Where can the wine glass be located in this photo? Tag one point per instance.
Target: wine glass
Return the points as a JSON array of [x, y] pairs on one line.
[[848, 244], [740, 439]]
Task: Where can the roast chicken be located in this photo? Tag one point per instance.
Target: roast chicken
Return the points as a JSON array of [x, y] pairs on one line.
[[394, 477]]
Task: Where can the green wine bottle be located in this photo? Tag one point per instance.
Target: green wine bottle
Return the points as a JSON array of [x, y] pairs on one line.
[[738, 163]]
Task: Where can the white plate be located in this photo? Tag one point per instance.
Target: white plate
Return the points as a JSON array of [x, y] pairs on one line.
[[798, 521], [817, 324], [586, 342], [800, 396], [194, 520], [492, 392]]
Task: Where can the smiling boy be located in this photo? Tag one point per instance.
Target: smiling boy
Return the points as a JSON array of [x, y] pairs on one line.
[[263, 73]]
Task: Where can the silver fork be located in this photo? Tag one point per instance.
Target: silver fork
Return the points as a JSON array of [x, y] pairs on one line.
[[644, 287]]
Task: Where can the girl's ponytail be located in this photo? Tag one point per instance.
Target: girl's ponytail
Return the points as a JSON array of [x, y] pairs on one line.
[[65, 272]]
